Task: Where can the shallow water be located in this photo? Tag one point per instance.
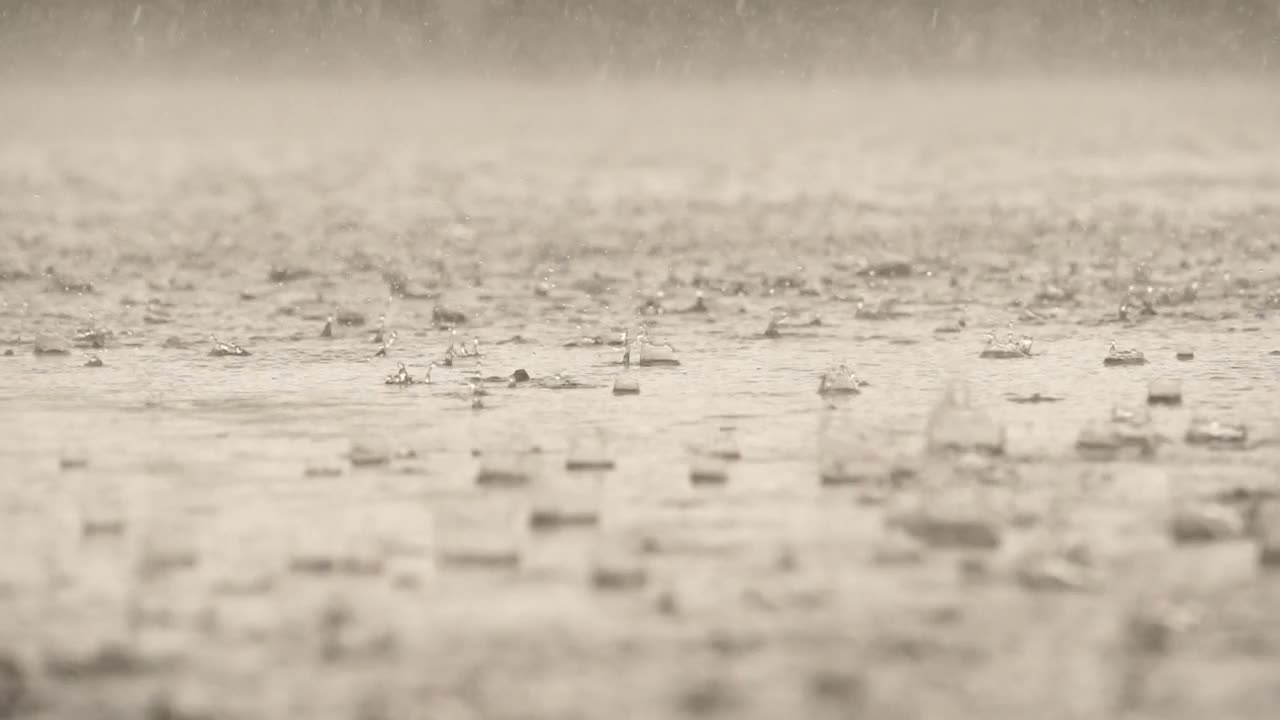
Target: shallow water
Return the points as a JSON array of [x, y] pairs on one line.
[[554, 214]]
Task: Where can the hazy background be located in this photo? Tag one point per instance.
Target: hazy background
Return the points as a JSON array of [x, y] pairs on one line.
[[713, 39]]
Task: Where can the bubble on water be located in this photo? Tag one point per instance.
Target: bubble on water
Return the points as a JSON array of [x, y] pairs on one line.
[[949, 520], [1216, 433], [710, 459], [477, 395], [1048, 571], [442, 316], [570, 503], [387, 341], [22, 570], [642, 351], [626, 385], [244, 555], [723, 443], [103, 508], [73, 456], [485, 532], [1164, 391], [957, 425], [699, 305], [561, 381], [507, 458], [347, 317], [402, 377], [168, 543], [618, 566], [369, 451], [708, 469], [338, 540], [462, 350], [589, 449], [1266, 527], [1033, 398], [1204, 522], [1138, 303], [850, 454], [1136, 416], [185, 698], [1127, 432], [655, 354], [1010, 347], [1123, 356], [839, 380], [226, 349], [82, 649], [896, 547], [884, 309], [51, 344]]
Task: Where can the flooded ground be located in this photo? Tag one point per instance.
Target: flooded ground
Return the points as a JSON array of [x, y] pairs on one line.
[[283, 534]]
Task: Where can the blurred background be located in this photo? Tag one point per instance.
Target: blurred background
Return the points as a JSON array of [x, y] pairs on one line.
[[696, 39]]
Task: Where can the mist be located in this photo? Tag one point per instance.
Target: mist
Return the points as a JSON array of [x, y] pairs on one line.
[[614, 39]]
